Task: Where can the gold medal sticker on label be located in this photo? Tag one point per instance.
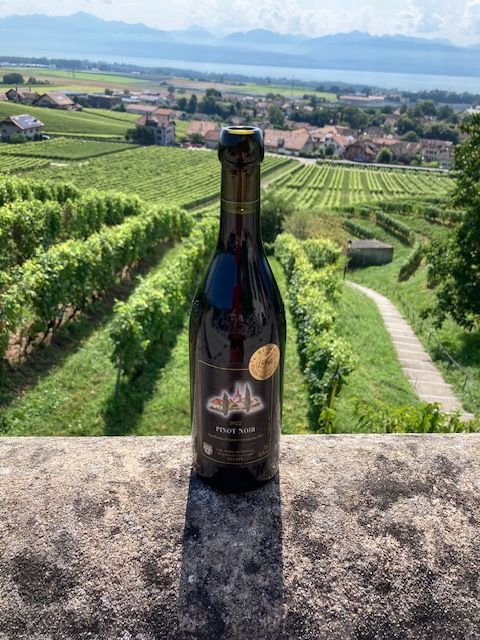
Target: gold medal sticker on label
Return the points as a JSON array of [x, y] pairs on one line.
[[264, 362]]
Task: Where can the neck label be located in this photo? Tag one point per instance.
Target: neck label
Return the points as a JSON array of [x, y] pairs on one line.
[[240, 208]]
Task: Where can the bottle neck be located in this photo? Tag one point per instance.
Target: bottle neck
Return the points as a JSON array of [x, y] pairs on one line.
[[240, 208]]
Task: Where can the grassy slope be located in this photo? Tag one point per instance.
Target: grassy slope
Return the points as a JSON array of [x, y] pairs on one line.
[[463, 346], [379, 375], [89, 122]]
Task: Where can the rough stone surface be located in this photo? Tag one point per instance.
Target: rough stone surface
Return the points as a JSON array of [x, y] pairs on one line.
[[360, 537], [417, 365]]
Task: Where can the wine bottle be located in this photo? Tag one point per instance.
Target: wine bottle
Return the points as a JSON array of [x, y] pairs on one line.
[[237, 335]]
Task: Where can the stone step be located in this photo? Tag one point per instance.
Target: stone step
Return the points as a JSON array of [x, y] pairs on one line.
[[424, 375], [415, 355], [422, 365], [408, 343], [434, 388]]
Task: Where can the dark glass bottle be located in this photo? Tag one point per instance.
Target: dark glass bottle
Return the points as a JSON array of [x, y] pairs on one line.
[[237, 335]]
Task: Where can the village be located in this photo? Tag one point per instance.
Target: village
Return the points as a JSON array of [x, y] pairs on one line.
[[357, 127]]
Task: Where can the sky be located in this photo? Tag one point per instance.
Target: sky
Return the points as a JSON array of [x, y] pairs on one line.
[[456, 20]]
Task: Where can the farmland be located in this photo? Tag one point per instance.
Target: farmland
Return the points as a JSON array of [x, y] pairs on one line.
[[91, 81]]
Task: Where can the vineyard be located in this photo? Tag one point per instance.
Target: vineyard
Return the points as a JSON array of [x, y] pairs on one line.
[[14, 164], [110, 272], [157, 174], [328, 186]]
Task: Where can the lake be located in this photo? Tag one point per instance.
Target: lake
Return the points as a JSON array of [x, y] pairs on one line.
[[402, 81]]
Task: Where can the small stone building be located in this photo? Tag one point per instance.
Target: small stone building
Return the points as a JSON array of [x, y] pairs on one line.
[[367, 253], [162, 125]]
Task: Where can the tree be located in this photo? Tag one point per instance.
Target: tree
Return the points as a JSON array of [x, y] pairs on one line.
[[171, 88], [197, 138], [13, 78], [455, 262], [141, 135], [213, 93], [445, 112], [275, 207], [425, 108], [192, 104], [410, 136], [276, 116], [404, 124], [441, 131], [385, 156], [108, 92], [329, 151], [403, 108], [18, 138], [354, 117], [182, 103]]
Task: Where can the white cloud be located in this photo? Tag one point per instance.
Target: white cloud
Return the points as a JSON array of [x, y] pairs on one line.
[[471, 18], [458, 20]]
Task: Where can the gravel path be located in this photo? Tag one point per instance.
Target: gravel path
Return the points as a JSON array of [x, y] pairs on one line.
[[417, 365]]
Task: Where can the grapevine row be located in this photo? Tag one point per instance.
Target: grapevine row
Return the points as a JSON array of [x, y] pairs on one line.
[[155, 311], [68, 276], [29, 225], [327, 359]]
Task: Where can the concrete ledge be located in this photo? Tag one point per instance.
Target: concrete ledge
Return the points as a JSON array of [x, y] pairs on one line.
[[361, 537]]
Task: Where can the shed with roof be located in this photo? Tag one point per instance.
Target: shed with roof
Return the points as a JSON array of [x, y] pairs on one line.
[[367, 253]]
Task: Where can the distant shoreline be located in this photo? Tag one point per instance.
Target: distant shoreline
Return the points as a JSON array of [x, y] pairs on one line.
[[248, 72]]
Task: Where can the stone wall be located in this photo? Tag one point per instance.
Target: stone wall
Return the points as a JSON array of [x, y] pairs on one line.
[[360, 537]]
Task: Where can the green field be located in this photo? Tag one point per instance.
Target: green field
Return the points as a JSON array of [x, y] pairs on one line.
[[81, 81], [379, 376], [91, 122], [62, 149], [94, 81], [296, 90]]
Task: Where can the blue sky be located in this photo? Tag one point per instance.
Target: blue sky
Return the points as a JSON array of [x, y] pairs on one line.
[[457, 20]]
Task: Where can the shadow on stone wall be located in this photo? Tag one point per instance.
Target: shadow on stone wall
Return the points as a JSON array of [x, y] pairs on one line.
[[231, 580]]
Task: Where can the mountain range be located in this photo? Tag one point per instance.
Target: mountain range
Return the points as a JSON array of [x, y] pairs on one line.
[[72, 36]]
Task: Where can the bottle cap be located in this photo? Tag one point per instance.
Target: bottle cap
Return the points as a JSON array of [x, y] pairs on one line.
[[241, 145]]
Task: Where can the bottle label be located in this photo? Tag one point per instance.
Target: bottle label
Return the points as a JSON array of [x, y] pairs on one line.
[[237, 408]]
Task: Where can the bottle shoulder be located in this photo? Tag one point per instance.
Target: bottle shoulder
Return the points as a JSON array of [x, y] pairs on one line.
[[229, 283]]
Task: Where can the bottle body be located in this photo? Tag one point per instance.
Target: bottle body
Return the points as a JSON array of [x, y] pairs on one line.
[[237, 346]]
